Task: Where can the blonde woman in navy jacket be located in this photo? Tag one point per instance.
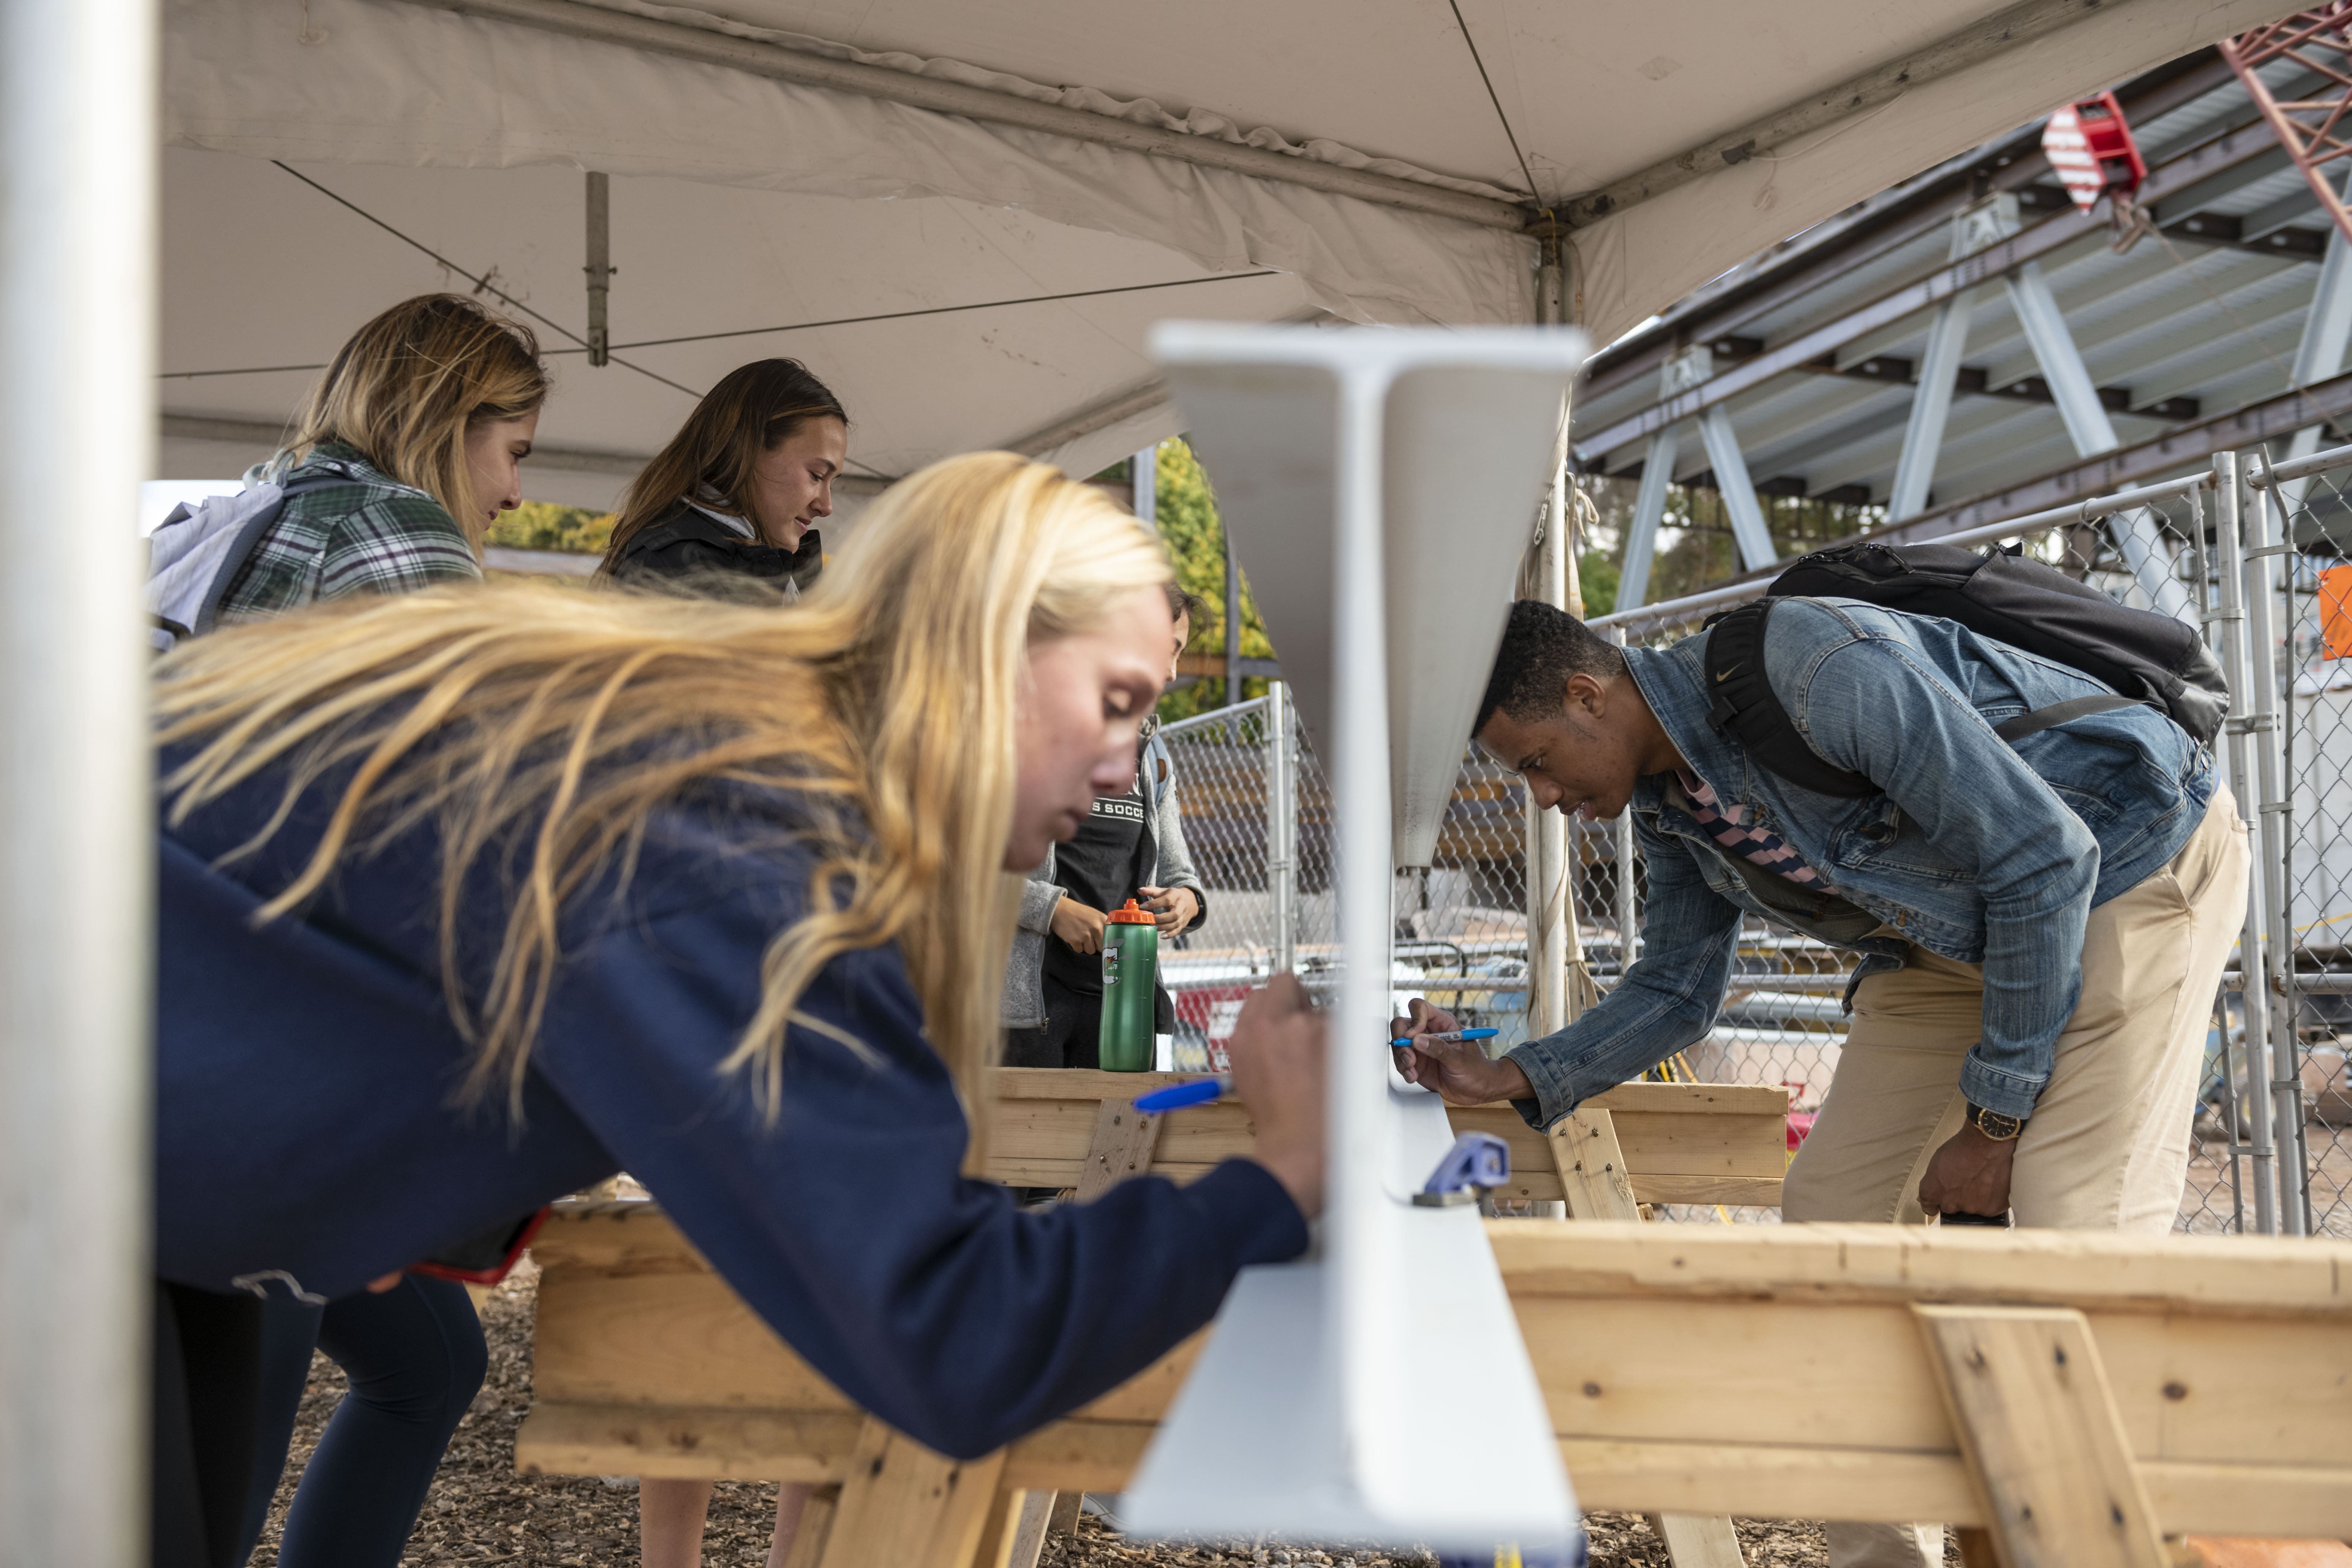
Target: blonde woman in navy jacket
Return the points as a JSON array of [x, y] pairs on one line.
[[515, 887]]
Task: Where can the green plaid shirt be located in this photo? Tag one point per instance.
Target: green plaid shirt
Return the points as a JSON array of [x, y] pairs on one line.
[[370, 534]]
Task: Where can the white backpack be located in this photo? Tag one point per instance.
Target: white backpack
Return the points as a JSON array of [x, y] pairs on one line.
[[195, 554]]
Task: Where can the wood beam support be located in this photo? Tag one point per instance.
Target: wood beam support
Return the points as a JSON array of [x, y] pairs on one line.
[[2045, 1448]]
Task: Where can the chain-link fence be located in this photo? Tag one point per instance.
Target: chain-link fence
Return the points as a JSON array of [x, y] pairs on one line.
[[2305, 517], [2268, 1147], [1461, 937]]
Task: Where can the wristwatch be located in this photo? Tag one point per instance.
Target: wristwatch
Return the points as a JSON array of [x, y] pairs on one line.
[[1994, 1125]]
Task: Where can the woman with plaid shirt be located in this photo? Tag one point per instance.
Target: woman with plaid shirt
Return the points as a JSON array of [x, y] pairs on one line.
[[406, 453], [423, 418]]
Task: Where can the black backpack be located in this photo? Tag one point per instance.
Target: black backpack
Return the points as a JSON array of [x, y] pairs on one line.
[[2152, 659]]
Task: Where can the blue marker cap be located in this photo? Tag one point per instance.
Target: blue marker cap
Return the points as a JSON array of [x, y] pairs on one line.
[[1445, 1038], [1176, 1095]]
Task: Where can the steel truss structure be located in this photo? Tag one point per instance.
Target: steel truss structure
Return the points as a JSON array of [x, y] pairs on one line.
[[2309, 124]]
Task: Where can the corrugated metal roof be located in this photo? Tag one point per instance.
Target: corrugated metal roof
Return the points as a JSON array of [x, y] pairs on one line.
[[2176, 318]]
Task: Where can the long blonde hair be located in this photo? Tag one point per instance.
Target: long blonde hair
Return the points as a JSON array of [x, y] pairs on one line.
[[410, 383], [560, 719]]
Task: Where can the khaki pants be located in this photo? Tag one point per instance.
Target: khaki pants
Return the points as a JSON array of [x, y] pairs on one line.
[[2108, 1147]]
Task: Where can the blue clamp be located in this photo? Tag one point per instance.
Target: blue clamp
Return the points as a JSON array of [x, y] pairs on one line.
[[1477, 1161]]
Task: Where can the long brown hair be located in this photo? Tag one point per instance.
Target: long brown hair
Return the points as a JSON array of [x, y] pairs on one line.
[[754, 408], [408, 387], [573, 716]]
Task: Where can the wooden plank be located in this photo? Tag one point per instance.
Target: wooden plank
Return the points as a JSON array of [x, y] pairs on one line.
[[1121, 1146], [815, 1527], [1681, 1141], [1526, 1182], [1781, 1480], [663, 1338], [1764, 1370], [903, 1504], [685, 1443], [2230, 1276], [1080, 1455], [1592, 1170], [1700, 1540], [1028, 1542], [1000, 1533], [2046, 1449], [1590, 1166]]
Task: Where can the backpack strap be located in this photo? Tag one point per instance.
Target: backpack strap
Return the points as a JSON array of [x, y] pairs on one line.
[[2057, 713], [1747, 710]]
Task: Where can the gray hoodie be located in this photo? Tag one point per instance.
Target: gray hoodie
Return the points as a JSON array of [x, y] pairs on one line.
[[1024, 994]]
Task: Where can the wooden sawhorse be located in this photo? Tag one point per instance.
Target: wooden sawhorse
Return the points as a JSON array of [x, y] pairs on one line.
[[2078, 1398]]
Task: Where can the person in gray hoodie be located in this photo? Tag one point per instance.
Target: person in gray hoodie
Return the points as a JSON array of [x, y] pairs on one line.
[[1131, 847]]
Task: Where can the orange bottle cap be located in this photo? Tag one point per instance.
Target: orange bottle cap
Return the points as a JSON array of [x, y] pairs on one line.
[[1131, 916]]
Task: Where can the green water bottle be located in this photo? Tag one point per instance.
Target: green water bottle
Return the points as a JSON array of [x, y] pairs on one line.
[[1130, 961]]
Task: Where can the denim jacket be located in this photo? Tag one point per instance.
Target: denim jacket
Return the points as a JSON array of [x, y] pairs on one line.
[[1979, 851]]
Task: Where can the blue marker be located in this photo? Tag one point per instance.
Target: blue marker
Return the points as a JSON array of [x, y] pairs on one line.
[[1176, 1095], [1447, 1038]]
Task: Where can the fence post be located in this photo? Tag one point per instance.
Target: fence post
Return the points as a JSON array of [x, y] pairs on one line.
[[1551, 902], [2241, 583], [1629, 928], [1282, 823], [2277, 821]]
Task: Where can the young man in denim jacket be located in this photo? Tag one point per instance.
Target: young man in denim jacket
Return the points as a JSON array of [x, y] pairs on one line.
[[2042, 925]]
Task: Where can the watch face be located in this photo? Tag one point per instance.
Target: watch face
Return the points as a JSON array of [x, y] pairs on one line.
[[1996, 1126]]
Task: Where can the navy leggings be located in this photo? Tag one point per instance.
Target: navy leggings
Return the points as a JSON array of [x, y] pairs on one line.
[[415, 1358]]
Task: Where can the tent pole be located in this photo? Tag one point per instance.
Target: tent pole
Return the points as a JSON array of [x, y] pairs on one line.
[[600, 265], [78, 139]]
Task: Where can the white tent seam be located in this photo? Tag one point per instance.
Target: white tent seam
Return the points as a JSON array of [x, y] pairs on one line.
[[1316, 164]]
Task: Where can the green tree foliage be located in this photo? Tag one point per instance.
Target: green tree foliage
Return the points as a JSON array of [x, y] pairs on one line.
[[1695, 547], [1187, 514], [1596, 577], [544, 525]]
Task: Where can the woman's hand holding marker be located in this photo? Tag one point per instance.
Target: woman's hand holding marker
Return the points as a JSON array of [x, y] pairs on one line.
[[1434, 1052], [1277, 1052]]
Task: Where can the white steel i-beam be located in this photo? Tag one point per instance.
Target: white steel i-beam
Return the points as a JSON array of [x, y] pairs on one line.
[[1346, 465], [77, 140]]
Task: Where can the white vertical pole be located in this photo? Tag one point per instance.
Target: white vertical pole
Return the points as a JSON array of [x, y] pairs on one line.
[[600, 266], [1282, 823], [2236, 580], [1143, 484], [77, 425], [1361, 1245], [2264, 535], [1550, 909]]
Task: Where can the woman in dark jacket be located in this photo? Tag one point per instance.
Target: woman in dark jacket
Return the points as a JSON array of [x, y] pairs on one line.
[[738, 490]]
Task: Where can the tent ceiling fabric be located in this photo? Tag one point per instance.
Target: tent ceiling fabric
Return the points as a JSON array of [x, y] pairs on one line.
[[740, 200], [263, 270]]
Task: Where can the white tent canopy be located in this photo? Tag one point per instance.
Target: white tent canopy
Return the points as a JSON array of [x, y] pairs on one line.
[[767, 163]]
